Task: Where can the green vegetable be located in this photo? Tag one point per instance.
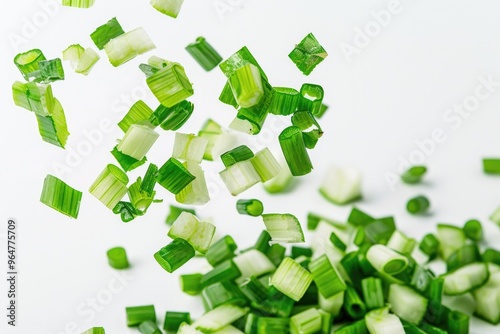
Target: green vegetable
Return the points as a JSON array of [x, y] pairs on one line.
[[308, 54], [251, 207], [61, 197], [117, 258], [139, 314], [414, 174], [418, 205]]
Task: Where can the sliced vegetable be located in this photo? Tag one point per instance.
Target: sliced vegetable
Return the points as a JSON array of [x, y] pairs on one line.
[[283, 227], [199, 234], [168, 7], [414, 174], [170, 85], [28, 62], [60, 196], [138, 113], [106, 32], [196, 192], [308, 54], [174, 255], [291, 279], [204, 53], [174, 176], [251, 207], [117, 258], [127, 46], [294, 150], [189, 147], [110, 186], [418, 205], [341, 185]]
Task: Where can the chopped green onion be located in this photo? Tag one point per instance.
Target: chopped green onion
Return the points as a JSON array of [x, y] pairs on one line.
[[326, 322], [252, 263], [379, 321], [322, 111], [333, 304], [373, 294], [491, 165], [219, 317], [429, 245], [429, 329], [225, 271], [358, 327], [82, 60], [237, 154], [127, 163], [95, 330], [137, 141], [385, 260], [473, 230], [191, 284], [170, 85], [283, 227], [276, 253], [222, 293], [78, 3], [285, 101], [281, 182], [50, 70], [138, 113], [61, 197], [421, 279], [53, 128], [353, 304], [311, 98], [28, 62], [174, 255], [407, 304], [341, 185], [307, 322], [221, 250], [33, 97], [418, 205], [204, 53], [337, 242], [262, 243], [291, 279], [246, 84], [265, 165], [276, 304], [189, 147], [106, 32], [254, 290], [175, 212], [465, 279], [117, 258], [174, 176], [294, 150], [463, 256], [73, 53], [141, 199], [127, 211], [492, 256], [227, 97], [174, 319], [495, 216], [138, 314], [267, 325], [401, 243], [251, 207], [414, 174], [168, 7], [458, 323], [301, 251], [307, 54], [238, 60], [488, 300], [127, 46], [451, 238], [326, 277], [149, 327], [174, 117], [199, 234], [239, 177], [196, 192], [184, 328]]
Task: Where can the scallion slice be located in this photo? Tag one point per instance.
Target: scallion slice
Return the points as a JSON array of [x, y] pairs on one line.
[[227, 97], [246, 84], [251, 207], [465, 279], [170, 85], [401, 243], [149, 327], [221, 250], [28, 62], [379, 321], [174, 255], [306, 322], [473, 230], [307, 54], [174, 319], [137, 141], [126, 211], [341, 185], [106, 32], [283, 227], [285, 101], [172, 118], [495, 216], [117, 258], [418, 205], [204, 53], [353, 304], [138, 314], [191, 284], [189, 147], [385, 260], [199, 234], [53, 128], [82, 60], [127, 46], [280, 183], [458, 323], [175, 212], [358, 327], [268, 325], [414, 174], [127, 162], [196, 192], [174, 176], [492, 256], [220, 317], [450, 238], [373, 294], [265, 165], [225, 271], [78, 3], [463, 256], [237, 154], [238, 60], [239, 177], [138, 113], [110, 186], [252, 263], [168, 7], [491, 165], [254, 290], [291, 279], [311, 98], [50, 71], [61, 197], [222, 293], [488, 299], [294, 150], [407, 304], [33, 97], [326, 277]]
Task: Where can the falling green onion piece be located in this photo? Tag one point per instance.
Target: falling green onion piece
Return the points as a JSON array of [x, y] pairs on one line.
[[283, 227], [168, 7], [221, 250], [127, 46], [117, 258], [199, 234], [281, 182], [414, 174], [174, 255], [138, 113], [311, 98], [227, 96], [137, 141], [138, 314], [149, 327], [106, 32], [385, 260], [473, 230], [491, 166], [265, 165], [246, 84], [95, 330], [196, 192], [251, 207], [127, 163], [28, 62], [174, 176], [170, 85], [53, 128], [126, 211], [307, 54], [33, 97], [174, 319], [61, 197], [189, 147], [82, 60], [172, 118], [418, 205], [495, 216], [291, 279], [204, 53], [341, 185], [237, 154], [175, 212], [326, 277], [110, 186], [294, 150], [191, 284], [285, 101], [50, 71], [239, 177]]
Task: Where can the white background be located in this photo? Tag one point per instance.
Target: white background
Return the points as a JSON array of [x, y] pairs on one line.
[[393, 92]]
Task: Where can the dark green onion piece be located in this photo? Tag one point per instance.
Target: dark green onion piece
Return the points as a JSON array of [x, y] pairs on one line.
[[172, 118], [414, 174], [467, 254], [174, 255], [103, 34], [294, 150], [373, 294], [301, 251], [285, 101], [251, 324], [358, 327], [491, 166], [127, 211], [175, 212], [326, 277], [149, 327], [138, 314], [358, 217], [418, 205], [429, 245], [225, 271], [138, 113], [353, 304], [311, 98], [276, 304], [222, 293], [117, 258], [352, 267], [173, 176], [366, 267], [50, 71], [59, 196], [380, 230], [337, 242], [257, 114], [276, 253], [311, 138], [410, 328], [251, 207], [421, 279], [322, 111], [267, 325], [227, 97], [204, 53], [191, 284], [127, 163], [307, 54], [149, 181], [239, 59], [174, 319], [491, 255], [221, 250], [473, 230], [27, 62], [254, 290], [262, 243], [237, 154], [458, 323], [313, 221]]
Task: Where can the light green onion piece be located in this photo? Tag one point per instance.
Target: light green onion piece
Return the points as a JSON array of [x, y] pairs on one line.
[[184, 328], [306, 322], [127, 163], [252, 263], [219, 317], [189, 147], [78, 3], [149, 327], [128, 46], [61, 197], [82, 60], [251, 207], [140, 199], [168, 7], [418, 205], [28, 62], [373, 294], [495, 216], [294, 150], [239, 59], [196, 192], [414, 174], [204, 53], [117, 258], [173, 320], [281, 183], [341, 185], [53, 128], [174, 176], [465, 279], [170, 85], [175, 212], [311, 98], [451, 238], [106, 32], [268, 325], [265, 165], [246, 84], [307, 54], [110, 186], [491, 165], [237, 154], [33, 97], [332, 304], [385, 260], [50, 71], [326, 277], [95, 330], [172, 118], [174, 255], [138, 314], [227, 97], [138, 113], [285, 101], [239, 177], [291, 279], [379, 321], [73, 54], [407, 304], [191, 284], [401, 243], [137, 141], [283, 227], [488, 299], [199, 234]]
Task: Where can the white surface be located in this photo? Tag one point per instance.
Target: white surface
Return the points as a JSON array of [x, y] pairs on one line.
[[395, 91]]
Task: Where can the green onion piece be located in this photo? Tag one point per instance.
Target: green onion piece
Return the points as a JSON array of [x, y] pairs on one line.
[[364, 265], [127, 46], [465, 255], [50, 71], [175, 212], [379, 321], [267, 325], [149, 327], [117, 258], [221, 250], [251, 207], [333, 304], [322, 111], [429, 245], [172, 118], [82, 60], [491, 165], [220, 317], [174, 255], [358, 217], [473, 230], [212, 139], [170, 85], [385, 260], [138, 113], [246, 84], [140, 199], [487, 299], [326, 322], [73, 53], [358, 327], [311, 138], [78, 3], [106, 32], [222, 293], [414, 174], [251, 323], [148, 70], [191, 284], [291, 279], [283, 227], [492, 256], [196, 192], [281, 183], [337, 242], [184, 328], [451, 238], [126, 161], [137, 141], [127, 211], [373, 294], [238, 60], [262, 243], [458, 323], [311, 98], [407, 304], [225, 271], [495, 216], [174, 319], [435, 296], [138, 314], [418, 205], [33, 97], [353, 304], [95, 330], [53, 128], [189, 147], [301, 251], [401, 243], [306, 322], [168, 7], [276, 253], [294, 150], [211, 126], [227, 97], [28, 62], [341, 185], [237, 154], [239, 177], [326, 277], [285, 101], [465, 279], [252, 263], [429, 329], [61, 197], [254, 290], [276, 304], [421, 279], [174, 176], [199, 234], [204, 53], [307, 54], [265, 164]]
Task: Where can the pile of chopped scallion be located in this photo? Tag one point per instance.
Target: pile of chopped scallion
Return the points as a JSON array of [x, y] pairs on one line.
[[363, 276]]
